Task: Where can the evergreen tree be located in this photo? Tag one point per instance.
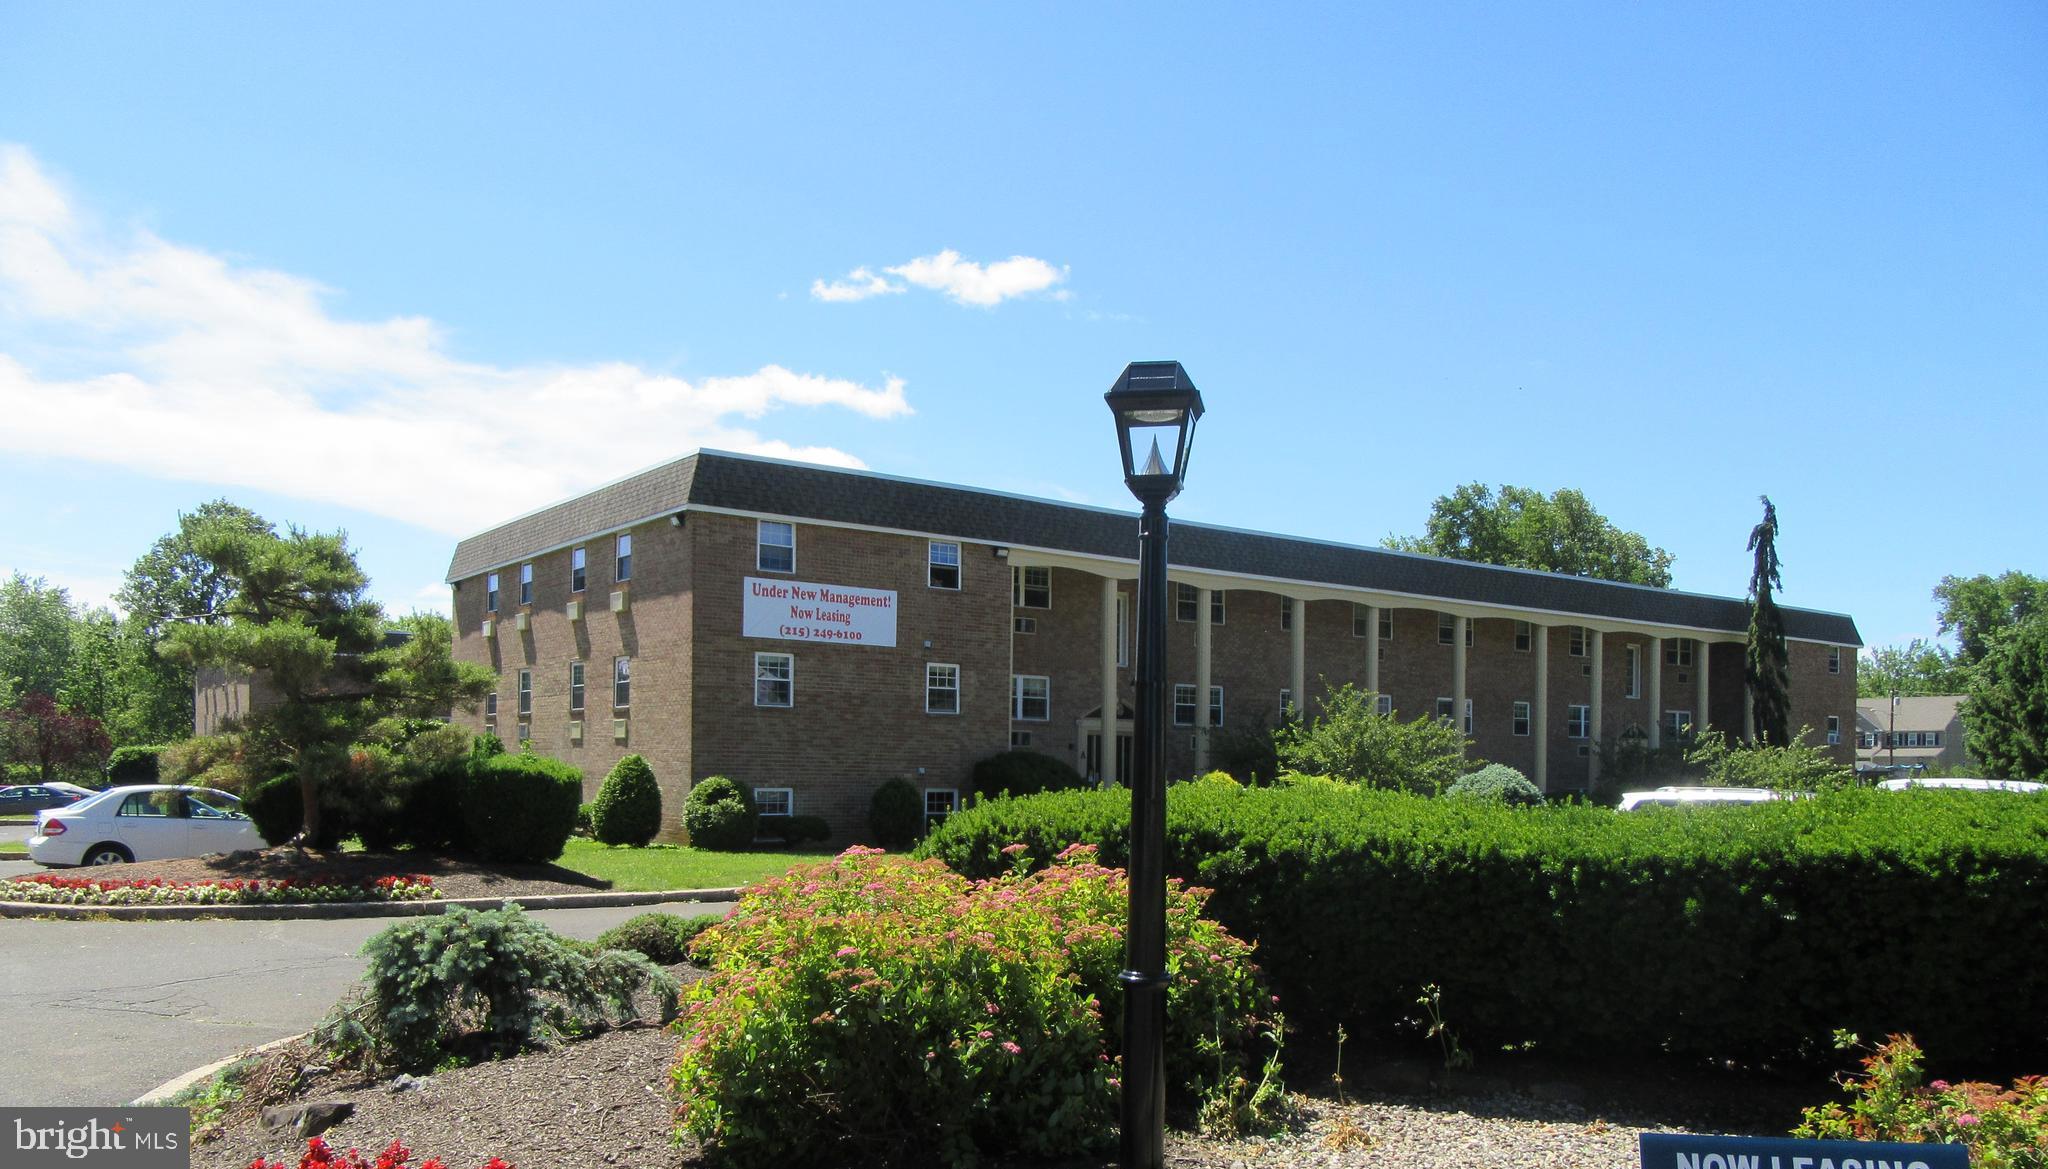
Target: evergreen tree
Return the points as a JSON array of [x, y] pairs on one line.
[[1765, 665]]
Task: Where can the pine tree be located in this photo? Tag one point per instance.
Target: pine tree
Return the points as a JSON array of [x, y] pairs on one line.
[[1765, 666]]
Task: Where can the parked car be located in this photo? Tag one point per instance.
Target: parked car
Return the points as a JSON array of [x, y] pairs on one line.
[[1674, 797], [1961, 784], [21, 799], [142, 822]]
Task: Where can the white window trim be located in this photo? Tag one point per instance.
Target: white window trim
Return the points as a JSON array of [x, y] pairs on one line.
[[622, 553], [1184, 593], [788, 800], [1578, 642], [525, 694], [1578, 721], [1383, 704], [1679, 652], [1192, 704], [1634, 675], [1521, 714], [1286, 702], [761, 544], [578, 687], [1834, 659], [1525, 637], [1834, 730], [929, 688], [933, 564], [579, 561], [1360, 619], [628, 680], [526, 583], [1017, 682], [1215, 706], [490, 592], [1020, 587], [1445, 701], [789, 660], [952, 795], [1676, 721]]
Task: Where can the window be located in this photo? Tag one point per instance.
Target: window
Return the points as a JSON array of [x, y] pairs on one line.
[[622, 558], [1215, 706], [1386, 625], [490, 710], [941, 689], [576, 687], [1030, 697], [1031, 587], [1579, 640], [1931, 738], [1525, 638], [944, 559], [774, 680], [1866, 740], [576, 574], [1286, 613], [775, 801], [939, 803], [1834, 659], [1383, 704], [1677, 722], [1286, 703], [1578, 722], [1185, 599], [526, 584], [1521, 720], [1678, 652], [1443, 712], [524, 734], [1020, 739], [491, 593], [775, 546], [1184, 704], [1447, 630], [1835, 730], [1912, 738], [1361, 620], [622, 682], [525, 693], [1635, 672], [1029, 625]]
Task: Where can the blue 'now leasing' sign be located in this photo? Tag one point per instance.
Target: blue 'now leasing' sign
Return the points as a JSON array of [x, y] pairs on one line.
[[1665, 1150]]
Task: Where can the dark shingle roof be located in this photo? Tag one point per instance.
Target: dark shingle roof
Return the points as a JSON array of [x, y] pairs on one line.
[[805, 491]]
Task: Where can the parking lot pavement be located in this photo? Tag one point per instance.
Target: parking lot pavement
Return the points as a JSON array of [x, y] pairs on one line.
[[101, 1012], [16, 833]]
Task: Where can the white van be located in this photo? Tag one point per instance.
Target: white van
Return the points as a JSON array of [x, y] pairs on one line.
[[1972, 785], [1679, 797]]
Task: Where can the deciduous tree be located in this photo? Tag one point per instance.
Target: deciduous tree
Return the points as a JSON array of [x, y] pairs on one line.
[[2006, 714], [37, 731], [1975, 609], [1916, 668], [1524, 528], [35, 636], [1348, 740], [1765, 665]]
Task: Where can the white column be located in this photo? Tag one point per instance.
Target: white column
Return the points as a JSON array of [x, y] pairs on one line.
[[1458, 627], [1656, 693], [1108, 667], [1599, 652], [1297, 644], [1372, 652], [1204, 630], [1700, 692], [1540, 722]]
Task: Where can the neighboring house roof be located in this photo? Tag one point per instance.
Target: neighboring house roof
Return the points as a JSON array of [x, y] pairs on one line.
[[1926, 712], [745, 483]]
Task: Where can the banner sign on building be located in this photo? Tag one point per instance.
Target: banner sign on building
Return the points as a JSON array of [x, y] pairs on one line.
[[1668, 1150], [795, 610]]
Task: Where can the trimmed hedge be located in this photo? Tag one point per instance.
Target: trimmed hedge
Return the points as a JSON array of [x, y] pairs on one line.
[[896, 814], [520, 807], [1024, 773], [719, 813], [662, 938], [627, 809], [135, 764], [1744, 932]]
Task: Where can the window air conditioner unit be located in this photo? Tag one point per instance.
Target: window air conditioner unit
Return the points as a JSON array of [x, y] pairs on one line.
[[576, 731], [522, 622], [575, 610], [618, 730], [618, 600], [490, 628]]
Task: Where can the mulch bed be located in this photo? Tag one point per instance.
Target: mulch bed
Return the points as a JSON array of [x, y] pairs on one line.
[[453, 876]]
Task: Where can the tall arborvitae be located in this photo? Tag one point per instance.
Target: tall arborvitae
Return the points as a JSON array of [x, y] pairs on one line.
[[1764, 664]]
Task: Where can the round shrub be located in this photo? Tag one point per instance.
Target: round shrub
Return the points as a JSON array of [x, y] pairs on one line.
[[133, 765], [277, 811], [627, 809], [1024, 773], [664, 938], [876, 1007], [1497, 783], [896, 814], [520, 807], [719, 814]]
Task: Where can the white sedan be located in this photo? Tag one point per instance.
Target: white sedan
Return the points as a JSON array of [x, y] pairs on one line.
[[146, 822]]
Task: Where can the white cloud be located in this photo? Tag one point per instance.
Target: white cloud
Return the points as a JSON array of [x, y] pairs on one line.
[[858, 285], [179, 364], [964, 281]]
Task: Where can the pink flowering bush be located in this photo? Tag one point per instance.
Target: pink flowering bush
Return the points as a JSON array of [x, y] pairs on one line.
[[2005, 1128], [320, 1155], [49, 889], [874, 1004]]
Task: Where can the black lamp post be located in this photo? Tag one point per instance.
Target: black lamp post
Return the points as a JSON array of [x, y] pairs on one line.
[[1156, 407]]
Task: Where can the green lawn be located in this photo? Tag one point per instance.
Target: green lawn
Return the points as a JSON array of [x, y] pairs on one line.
[[664, 866]]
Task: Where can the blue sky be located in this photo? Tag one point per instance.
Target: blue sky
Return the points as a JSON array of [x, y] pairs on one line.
[[411, 270]]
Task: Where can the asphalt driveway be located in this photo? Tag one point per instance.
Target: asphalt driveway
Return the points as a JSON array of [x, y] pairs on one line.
[[101, 1012]]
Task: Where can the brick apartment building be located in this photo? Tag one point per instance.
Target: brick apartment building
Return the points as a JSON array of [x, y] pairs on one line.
[[813, 632]]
